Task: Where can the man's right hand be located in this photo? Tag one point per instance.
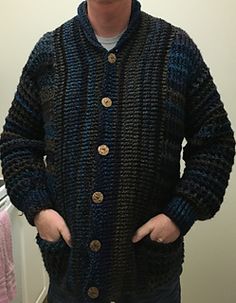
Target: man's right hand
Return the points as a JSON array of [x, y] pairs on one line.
[[51, 226]]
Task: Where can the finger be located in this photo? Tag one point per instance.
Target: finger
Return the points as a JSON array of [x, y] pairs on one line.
[[65, 232], [49, 234], [157, 236], [142, 232], [51, 238]]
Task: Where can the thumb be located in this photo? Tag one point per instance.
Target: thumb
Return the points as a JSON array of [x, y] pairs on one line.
[[142, 231], [65, 232]]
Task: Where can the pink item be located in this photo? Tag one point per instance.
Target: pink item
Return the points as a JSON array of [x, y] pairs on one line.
[[7, 272]]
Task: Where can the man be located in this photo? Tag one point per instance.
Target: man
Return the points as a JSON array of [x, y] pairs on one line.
[[108, 98]]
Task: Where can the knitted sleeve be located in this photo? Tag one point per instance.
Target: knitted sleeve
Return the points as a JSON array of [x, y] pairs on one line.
[[210, 149], [22, 139]]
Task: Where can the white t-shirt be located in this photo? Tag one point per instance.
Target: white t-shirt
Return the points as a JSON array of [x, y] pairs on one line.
[[109, 42]]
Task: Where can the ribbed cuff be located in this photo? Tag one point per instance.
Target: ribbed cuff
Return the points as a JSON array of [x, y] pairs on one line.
[[36, 201], [182, 214]]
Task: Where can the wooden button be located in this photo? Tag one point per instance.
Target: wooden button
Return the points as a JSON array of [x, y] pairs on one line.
[[103, 149], [106, 102], [97, 197], [93, 292], [112, 58], [95, 245]]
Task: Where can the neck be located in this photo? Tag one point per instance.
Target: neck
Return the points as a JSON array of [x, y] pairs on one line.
[[109, 17]]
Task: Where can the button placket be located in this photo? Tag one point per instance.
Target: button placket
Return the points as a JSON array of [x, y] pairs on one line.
[[103, 150]]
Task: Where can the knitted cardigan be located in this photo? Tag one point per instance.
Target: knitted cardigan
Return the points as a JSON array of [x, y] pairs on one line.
[[161, 91]]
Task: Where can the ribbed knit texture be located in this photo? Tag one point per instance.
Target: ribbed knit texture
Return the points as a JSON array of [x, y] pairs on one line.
[[161, 92]]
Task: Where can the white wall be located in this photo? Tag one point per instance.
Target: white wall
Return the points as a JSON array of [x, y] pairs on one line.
[[210, 266]]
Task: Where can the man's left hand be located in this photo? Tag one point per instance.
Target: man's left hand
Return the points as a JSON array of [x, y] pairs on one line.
[[161, 228]]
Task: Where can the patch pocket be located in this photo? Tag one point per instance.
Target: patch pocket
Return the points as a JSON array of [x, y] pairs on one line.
[[55, 256], [159, 258], [162, 248]]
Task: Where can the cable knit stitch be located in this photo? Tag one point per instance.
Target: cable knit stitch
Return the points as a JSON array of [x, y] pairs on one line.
[[161, 92]]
